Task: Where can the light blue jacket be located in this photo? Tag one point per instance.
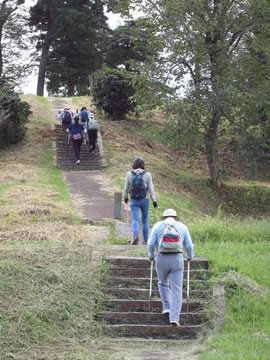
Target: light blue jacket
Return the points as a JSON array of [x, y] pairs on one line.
[[156, 233]]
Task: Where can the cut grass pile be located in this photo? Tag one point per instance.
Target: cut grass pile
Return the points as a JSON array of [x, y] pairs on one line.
[[47, 301]]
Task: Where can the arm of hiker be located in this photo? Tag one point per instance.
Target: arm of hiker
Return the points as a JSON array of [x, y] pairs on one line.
[[188, 245], [150, 188], [126, 189]]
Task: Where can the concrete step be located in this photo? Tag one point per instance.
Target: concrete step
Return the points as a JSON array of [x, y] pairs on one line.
[[145, 273], [80, 167], [123, 282], [113, 317], [134, 293], [142, 262], [156, 331], [124, 305]]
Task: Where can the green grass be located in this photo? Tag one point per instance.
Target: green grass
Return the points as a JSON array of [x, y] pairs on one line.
[[47, 294], [48, 291]]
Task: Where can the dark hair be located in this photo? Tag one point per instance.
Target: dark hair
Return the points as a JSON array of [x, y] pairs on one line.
[[83, 108], [138, 163], [76, 118]]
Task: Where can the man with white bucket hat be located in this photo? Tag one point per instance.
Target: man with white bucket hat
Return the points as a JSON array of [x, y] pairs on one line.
[[170, 238]]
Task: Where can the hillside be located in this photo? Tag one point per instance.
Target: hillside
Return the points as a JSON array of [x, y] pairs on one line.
[[48, 291]]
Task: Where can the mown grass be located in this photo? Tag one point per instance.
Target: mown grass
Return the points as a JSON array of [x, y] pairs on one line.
[[49, 291]]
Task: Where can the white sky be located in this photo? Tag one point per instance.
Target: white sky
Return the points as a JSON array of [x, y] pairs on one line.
[[30, 86]]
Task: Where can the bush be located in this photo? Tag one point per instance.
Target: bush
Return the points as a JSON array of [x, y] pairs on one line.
[[112, 92], [13, 115]]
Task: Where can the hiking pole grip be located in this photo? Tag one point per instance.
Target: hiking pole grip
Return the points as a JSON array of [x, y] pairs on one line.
[[150, 291], [188, 274]]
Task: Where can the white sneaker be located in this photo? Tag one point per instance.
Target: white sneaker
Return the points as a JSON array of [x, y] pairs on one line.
[[174, 323], [167, 311], [78, 161]]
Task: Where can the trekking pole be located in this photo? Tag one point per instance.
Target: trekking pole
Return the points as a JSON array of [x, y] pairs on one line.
[[157, 214], [188, 272], [127, 213], [150, 291]]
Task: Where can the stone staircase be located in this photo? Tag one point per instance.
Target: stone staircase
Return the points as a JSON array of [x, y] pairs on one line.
[[65, 158], [125, 309]]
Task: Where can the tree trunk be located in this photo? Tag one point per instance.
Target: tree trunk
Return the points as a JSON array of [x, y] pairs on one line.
[[211, 153], [71, 88], [1, 54], [42, 69]]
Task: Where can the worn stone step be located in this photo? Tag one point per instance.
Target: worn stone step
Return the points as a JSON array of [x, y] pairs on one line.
[[123, 282], [125, 305], [135, 293], [145, 273], [80, 167], [113, 317], [143, 262], [154, 331]]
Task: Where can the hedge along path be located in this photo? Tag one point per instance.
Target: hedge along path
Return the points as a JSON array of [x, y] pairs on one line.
[[91, 190]]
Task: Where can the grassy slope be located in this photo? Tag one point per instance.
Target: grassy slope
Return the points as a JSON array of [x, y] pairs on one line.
[[44, 269], [230, 227]]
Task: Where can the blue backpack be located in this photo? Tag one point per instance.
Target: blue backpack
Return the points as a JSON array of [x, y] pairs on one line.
[[84, 116], [138, 188]]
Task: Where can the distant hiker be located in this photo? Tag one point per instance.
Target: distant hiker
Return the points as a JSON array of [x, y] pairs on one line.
[[76, 130], [92, 129], [170, 238], [66, 117], [139, 184], [91, 125]]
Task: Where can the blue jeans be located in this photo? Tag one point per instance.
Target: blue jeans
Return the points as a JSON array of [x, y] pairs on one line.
[[135, 206]]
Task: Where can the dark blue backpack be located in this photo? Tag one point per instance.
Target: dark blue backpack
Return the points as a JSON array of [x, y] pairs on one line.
[[138, 188], [84, 116]]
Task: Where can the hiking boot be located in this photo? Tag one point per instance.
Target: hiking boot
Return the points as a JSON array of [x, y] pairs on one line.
[[175, 324], [135, 240]]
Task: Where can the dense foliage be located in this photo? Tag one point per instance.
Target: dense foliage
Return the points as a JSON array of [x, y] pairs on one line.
[[69, 43], [13, 115], [113, 92], [202, 46]]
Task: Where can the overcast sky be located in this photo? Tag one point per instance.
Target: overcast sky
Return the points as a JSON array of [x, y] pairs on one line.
[[31, 82]]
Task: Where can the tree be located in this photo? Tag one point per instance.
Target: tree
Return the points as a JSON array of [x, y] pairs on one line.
[[128, 43], [77, 52], [46, 17], [113, 92], [203, 38], [7, 9], [13, 115]]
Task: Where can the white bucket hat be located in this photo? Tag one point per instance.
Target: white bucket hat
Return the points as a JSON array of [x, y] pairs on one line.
[[169, 212]]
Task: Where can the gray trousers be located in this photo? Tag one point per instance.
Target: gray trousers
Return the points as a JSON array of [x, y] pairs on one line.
[[170, 269]]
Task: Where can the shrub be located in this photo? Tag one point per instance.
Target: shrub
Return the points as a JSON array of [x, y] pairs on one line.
[[113, 92], [13, 115]]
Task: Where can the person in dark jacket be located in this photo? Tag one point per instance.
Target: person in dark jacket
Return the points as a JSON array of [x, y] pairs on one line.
[[76, 130]]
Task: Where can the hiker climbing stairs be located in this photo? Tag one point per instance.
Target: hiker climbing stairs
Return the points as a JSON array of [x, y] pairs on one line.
[[65, 155], [125, 309]]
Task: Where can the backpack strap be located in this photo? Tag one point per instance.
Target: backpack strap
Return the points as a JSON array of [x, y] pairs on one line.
[[134, 173]]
